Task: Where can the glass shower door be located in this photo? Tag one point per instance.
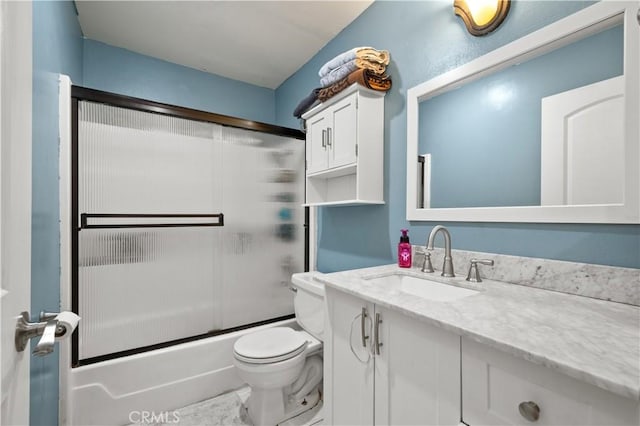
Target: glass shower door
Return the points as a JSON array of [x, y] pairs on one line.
[[186, 228]]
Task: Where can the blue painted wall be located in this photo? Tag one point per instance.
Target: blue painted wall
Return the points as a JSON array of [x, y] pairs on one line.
[[57, 48], [426, 39], [121, 71]]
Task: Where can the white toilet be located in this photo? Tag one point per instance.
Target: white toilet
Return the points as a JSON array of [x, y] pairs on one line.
[[283, 366]]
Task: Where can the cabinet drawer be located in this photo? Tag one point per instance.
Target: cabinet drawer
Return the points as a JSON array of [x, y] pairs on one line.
[[494, 384]]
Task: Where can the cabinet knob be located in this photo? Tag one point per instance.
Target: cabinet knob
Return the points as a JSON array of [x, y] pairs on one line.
[[529, 410]]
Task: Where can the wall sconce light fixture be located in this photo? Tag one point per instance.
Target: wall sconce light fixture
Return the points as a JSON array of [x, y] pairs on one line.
[[481, 16]]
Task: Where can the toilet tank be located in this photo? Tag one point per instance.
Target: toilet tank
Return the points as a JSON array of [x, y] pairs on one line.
[[309, 302]]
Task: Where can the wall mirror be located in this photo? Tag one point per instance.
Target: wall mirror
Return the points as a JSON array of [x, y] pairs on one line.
[[544, 129]]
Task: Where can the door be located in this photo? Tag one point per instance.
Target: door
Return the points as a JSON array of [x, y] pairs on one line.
[[417, 372], [15, 203], [348, 364], [342, 135], [317, 130], [583, 145]]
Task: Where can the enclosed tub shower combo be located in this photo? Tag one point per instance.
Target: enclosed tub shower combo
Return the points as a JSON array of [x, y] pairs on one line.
[[184, 228]]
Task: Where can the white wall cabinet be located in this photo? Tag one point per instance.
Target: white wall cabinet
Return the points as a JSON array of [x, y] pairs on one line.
[[414, 379], [495, 384], [345, 142]]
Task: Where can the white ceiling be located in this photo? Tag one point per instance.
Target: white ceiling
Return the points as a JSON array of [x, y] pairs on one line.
[[258, 42]]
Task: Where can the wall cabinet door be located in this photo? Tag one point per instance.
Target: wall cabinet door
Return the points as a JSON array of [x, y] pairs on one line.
[[317, 156], [417, 373], [342, 134], [348, 365]]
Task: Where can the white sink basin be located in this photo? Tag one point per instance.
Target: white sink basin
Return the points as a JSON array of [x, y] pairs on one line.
[[422, 287]]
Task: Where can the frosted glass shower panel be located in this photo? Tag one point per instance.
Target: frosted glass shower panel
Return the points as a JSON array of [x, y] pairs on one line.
[[263, 192], [140, 286], [151, 269], [138, 162]]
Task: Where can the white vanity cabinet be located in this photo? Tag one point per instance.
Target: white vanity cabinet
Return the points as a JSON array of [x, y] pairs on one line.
[[414, 379], [496, 386], [344, 148]]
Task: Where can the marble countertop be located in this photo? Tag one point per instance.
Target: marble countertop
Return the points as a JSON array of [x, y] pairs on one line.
[[588, 339]]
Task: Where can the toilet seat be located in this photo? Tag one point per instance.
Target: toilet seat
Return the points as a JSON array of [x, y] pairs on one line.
[[269, 346]]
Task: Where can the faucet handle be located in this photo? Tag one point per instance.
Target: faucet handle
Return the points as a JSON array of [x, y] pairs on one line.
[[427, 266], [426, 262], [474, 274]]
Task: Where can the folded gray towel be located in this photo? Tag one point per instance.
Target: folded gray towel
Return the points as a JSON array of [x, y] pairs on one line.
[[307, 103]]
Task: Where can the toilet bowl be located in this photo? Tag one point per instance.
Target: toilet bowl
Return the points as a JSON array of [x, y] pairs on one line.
[[283, 366]]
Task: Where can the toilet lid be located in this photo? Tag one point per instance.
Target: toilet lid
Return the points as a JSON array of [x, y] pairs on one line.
[[270, 345]]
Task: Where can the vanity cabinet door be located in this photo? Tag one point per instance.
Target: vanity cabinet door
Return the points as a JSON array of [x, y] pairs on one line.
[[495, 384], [348, 365], [417, 372]]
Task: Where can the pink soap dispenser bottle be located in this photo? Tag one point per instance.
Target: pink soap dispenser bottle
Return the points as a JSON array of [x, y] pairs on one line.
[[404, 250]]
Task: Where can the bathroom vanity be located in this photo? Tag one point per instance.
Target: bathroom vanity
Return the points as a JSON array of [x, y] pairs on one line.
[[483, 353]]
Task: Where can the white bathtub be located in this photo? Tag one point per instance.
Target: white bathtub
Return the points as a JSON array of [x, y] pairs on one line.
[[107, 393]]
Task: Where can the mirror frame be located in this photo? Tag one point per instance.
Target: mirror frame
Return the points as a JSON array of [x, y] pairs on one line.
[[560, 33]]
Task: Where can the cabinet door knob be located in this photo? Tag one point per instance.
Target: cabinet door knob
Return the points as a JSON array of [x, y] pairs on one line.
[[329, 136], [529, 410], [324, 138]]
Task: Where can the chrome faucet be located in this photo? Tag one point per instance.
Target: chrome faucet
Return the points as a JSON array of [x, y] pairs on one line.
[[447, 268]]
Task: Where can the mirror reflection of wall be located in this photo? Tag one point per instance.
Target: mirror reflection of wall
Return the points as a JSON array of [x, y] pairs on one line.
[[484, 139]]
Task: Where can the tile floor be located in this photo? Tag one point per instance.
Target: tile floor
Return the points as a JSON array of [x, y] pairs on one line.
[[228, 410]]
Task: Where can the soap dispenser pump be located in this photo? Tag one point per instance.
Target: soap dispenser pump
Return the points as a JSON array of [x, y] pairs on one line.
[[404, 250]]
